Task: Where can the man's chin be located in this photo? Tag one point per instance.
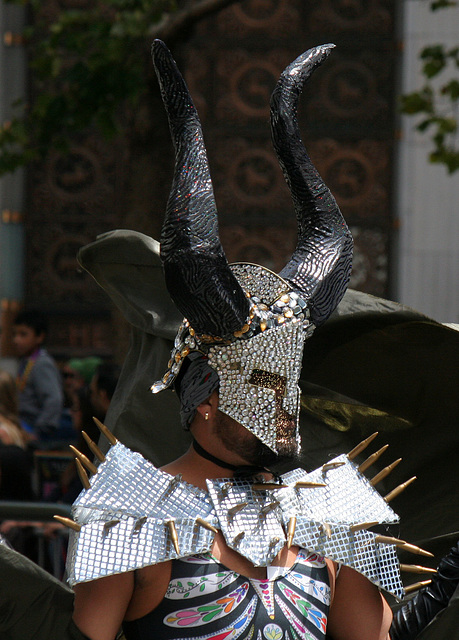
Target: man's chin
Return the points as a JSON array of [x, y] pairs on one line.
[[287, 451]]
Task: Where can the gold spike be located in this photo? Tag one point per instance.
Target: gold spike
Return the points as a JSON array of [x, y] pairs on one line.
[[402, 544], [304, 484], [269, 507], [71, 524], [331, 465], [384, 472], [401, 487], [417, 585], [173, 483], [416, 568], [110, 524], [390, 540], [267, 486], [414, 549], [361, 446], [291, 531], [84, 460], [326, 529], [372, 459], [176, 480], [93, 446], [206, 525], [106, 431], [139, 524], [82, 474], [362, 525], [173, 534], [224, 489], [273, 542], [238, 507], [238, 538]]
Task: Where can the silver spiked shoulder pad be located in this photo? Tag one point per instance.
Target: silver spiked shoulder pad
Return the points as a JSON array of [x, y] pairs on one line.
[[135, 515], [326, 511]]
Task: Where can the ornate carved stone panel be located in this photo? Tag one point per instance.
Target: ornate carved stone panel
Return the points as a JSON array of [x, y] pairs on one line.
[[259, 18], [357, 175], [231, 65], [352, 95], [73, 198], [80, 334], [374, 16], [245, 82], [370, 264], [269, 246], [345, 117], [248, 182]]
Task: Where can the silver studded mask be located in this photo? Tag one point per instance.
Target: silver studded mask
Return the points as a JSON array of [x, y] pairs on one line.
[[259, 368]]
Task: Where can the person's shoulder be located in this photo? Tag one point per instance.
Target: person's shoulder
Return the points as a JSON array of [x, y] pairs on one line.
[[45, 356], [10, 434], [45, 361]]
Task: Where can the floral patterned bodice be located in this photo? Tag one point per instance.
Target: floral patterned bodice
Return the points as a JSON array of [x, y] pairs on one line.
[[207, 601]]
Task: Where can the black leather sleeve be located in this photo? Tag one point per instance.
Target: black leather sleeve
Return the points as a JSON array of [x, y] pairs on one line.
[[416, 614]]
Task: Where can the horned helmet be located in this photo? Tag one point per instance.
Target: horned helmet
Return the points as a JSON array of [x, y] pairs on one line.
[[249, 322]]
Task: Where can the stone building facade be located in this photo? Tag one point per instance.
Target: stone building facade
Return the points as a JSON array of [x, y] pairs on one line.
[[231, 63]]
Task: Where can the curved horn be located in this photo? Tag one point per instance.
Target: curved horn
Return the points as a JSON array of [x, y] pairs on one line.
[[197, 274], [321, 264]]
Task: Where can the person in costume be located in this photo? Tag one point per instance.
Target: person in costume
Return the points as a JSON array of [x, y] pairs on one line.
[[214, 545]]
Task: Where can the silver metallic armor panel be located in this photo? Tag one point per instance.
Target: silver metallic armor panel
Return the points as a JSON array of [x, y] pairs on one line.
[[135, 515], [124, 518]]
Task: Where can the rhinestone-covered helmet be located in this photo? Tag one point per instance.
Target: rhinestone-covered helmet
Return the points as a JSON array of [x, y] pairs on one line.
[[249, 322]]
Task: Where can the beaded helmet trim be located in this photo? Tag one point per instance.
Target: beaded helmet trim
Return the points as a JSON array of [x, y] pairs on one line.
[[250, 322]]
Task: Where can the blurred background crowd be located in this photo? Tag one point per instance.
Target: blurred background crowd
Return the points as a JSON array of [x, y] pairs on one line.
[[45, 408]]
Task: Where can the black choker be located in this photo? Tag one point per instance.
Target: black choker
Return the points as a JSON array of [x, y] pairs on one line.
[[208, 456], [240, 471]]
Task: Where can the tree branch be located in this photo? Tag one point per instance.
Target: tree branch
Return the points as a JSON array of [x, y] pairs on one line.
[[173, 24]]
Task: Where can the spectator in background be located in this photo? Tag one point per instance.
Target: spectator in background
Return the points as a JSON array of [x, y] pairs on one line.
[[82, 414], [11, 431], [103, 386], [39, 381], [86, 404], [15, 460], [78, 373]]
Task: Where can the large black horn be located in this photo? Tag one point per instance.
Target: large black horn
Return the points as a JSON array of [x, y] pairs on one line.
[[321, 264], [197, 274]]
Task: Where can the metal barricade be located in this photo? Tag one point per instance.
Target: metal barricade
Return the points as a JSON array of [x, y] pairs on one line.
[[38, 518]]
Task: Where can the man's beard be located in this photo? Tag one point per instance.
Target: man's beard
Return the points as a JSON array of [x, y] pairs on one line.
[[238, 439]]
